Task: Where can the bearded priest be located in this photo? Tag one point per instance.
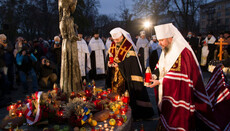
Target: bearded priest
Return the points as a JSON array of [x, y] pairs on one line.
[[125, 74], [180, 93]]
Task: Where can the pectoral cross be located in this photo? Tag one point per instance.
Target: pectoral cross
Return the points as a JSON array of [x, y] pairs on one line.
[[123, 50], [112, 49], [221, 47]]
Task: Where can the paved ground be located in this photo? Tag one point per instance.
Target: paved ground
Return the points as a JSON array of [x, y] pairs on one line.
[[148, 125]]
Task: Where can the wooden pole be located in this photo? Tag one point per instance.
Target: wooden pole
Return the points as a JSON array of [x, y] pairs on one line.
[[221, 42]]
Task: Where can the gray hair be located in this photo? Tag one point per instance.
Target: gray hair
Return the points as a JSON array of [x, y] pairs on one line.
[[2, 36], [57, 37]]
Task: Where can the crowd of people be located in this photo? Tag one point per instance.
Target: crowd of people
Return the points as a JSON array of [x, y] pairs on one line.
[[41, 59], [166, 53]]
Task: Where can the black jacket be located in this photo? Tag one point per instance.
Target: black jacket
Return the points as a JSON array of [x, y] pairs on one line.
[[47, 70], [2, 55]]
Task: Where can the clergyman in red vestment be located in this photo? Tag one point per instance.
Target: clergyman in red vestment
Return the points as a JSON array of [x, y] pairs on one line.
[[180, 93]]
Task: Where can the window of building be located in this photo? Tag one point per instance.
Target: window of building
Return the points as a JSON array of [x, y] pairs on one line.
[[227, 12], [227, 21], [218, 21], [203, 24], [227, 5], [218, 14], [227, 28], [203, 16], [218, 7]]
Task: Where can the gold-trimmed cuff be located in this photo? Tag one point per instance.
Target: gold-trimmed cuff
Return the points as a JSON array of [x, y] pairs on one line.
[[132, 53], [137, 78]]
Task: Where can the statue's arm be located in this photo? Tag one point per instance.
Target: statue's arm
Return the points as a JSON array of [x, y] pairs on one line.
[[73, 6], [60, 10]]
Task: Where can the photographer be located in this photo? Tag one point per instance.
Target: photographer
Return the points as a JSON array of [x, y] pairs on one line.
[[47, 73], [24, 60], [56, 53], [3, 67], [3, 45]]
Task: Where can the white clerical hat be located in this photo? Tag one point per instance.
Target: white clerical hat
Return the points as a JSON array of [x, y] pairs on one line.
[[164, 31], [116, 33], [142, 33]]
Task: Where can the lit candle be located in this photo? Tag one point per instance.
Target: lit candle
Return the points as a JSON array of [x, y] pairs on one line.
[[73, 93], [55, 87], [94, 90], [109, 90], [111, 58], [119, 120], [99, 97], [12, 114], [20, 114], [118, 99], [126, 97], [61, 113], [11, 107], [84, 98], [147, 77], [105, 125]]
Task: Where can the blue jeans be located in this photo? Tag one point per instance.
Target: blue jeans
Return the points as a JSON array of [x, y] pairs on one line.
[[24, 80]]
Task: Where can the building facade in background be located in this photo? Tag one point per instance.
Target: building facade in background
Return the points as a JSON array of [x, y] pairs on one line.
[[215, 16]]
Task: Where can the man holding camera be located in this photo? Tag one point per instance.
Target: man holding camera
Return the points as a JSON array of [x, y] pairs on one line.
[[47, 72], [25, 59], [3, 67], [3, 44]]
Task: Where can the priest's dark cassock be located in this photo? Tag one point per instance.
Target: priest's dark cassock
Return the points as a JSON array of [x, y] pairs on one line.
[[128, 76], [143, 50], [154, 53]]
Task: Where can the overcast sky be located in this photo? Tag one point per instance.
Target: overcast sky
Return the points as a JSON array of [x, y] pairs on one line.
[[110, 7]]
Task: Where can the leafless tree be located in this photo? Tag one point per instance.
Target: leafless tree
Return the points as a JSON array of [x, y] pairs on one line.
[[185, 13], [152, 8]]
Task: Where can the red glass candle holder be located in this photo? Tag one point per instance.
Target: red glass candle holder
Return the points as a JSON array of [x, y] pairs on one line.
[[147, 77], [119, 120], [111, 60], [123, 110], [125, 99], [111, 115], [104, 96], [109, 90]]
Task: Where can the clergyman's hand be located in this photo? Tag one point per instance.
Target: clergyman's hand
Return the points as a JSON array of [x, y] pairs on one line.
[[155, 83], [109, 65], [115, 65]]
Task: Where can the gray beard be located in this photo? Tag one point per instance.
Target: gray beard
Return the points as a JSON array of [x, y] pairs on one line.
[[167, 49]]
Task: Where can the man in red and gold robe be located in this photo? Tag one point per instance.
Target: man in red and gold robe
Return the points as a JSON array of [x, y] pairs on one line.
[[125, 74], [181, 95]]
